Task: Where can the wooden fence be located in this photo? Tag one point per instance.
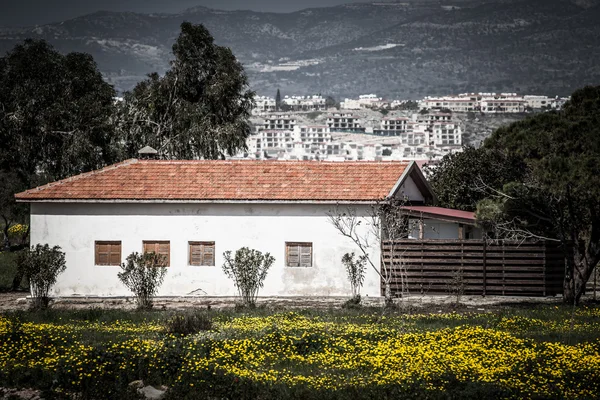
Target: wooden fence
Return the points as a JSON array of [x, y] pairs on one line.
[[474, 267]]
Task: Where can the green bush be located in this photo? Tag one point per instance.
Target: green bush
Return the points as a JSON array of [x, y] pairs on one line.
[[248, 270], [41, 265], [188, 323], [355, 269], [143, 274]]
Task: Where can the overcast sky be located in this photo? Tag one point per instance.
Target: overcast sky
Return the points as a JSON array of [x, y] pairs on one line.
[[34, 12]]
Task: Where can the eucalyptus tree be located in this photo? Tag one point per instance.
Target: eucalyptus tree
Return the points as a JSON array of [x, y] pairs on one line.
[[199, 108]]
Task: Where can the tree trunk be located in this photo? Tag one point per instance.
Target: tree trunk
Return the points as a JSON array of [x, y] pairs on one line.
[[6, 243], [578, 272], [388, 293]]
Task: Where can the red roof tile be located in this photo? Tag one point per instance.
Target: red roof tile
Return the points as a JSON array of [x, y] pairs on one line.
[[227, 180], [442, 212]]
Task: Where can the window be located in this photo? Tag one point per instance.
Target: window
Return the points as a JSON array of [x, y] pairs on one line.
[[298, 254], [158, 247], [202, 253], [107, 253]]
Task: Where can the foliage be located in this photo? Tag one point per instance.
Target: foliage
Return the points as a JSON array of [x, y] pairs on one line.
[[188, 323], [11, 212], [8, 271], [463, 179], [329, 355], [355, 269], [66, 129], [41, 265], [331, 102], [558, 195], [278, 100], [198, 109], [143, 274], [54, 121], [248, 270]]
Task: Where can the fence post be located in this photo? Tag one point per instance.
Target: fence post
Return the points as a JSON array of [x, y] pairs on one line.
[[484, 265], [544, 266]]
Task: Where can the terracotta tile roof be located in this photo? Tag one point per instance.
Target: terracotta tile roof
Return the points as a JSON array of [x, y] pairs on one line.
[[159, 180]]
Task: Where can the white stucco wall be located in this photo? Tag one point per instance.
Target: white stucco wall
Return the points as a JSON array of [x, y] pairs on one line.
[[410, 190], [265, 227], [436, 229]]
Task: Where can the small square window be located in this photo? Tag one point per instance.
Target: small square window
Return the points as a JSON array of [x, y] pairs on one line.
[[107, 253], [298, 254], [202, 253], [162, 247]]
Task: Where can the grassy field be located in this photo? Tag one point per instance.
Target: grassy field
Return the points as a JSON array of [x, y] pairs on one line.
[[532, 351]]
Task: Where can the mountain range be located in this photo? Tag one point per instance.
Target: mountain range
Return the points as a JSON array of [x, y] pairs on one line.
[[395, 49]]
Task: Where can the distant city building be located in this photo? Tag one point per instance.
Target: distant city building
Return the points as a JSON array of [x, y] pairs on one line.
[[305, 103], [344, 122], [279, 122], [363, 101]]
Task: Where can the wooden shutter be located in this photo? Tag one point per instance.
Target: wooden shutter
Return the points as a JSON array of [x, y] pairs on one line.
[[299, 254], [306, 255], [158, 247], [107, 253], [202, 253]]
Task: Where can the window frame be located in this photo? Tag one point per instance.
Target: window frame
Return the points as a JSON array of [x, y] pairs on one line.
[[299, 245], [202, 243], [157, 242], [111, 243]]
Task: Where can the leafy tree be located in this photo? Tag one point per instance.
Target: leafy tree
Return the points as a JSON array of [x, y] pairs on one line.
[[463, 179], [11, 212], [330, 102], [41, 265], [55, 115], [199, 109], [559, 196], [248, 270], [537, 178], [143, 274], [278, 100]]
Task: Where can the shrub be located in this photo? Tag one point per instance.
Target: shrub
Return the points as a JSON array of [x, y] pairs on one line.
[[143, 274], [248, 270], [188, 323], [41, 265], [355, 268]]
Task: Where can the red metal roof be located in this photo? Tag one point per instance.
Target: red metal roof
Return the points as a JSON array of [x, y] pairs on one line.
[[200, 180], [442, 212]]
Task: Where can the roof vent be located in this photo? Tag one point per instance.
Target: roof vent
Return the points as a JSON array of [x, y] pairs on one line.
[[148, 153]]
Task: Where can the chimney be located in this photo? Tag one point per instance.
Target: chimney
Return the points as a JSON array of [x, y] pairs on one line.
[[148, 153]]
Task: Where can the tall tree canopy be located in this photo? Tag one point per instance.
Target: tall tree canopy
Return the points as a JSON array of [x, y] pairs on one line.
[[55, 115], [199, 109], [554, 192]]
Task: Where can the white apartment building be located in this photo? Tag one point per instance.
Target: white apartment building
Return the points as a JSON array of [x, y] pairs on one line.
[[461, 103], [279, 122], [305, 103], [344, 122], [363, 101], [394, 126], [312, 133], [504, 103], [264, 104], [446, 134], [539, 102]]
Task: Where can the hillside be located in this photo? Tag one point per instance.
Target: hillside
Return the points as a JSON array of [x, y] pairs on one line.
[[404, 50]]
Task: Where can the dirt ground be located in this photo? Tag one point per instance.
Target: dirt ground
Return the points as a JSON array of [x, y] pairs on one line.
[[15, 301]]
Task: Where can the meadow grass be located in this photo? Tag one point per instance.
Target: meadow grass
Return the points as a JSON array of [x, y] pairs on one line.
[[531, 351]]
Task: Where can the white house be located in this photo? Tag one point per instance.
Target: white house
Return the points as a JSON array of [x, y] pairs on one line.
[[193, 211]]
